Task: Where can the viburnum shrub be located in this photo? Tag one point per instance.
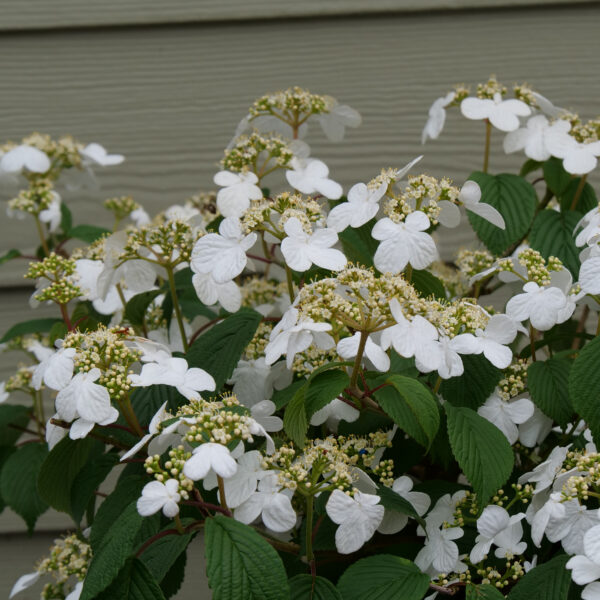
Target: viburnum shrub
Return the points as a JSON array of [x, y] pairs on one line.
[[295, 374]]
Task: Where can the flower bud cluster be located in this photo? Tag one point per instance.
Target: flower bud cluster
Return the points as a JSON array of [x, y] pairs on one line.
[[35, 199], [20, 381], [256, 348], [312, 358], [514, 381], [60, 273], [538, 269], [172, 469], [291, 104], [257, 291], [472, 262], [385, 471], [249, 149], [458, 316], [585, 481], [107, 349], [586, 133], [121, 206], [490, 88]]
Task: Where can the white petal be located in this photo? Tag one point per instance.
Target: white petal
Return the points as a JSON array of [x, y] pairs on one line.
[[476, 108], [489, 213], [278, 514]]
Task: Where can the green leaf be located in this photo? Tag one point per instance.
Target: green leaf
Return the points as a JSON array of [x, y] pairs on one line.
[[172, 581], [516, 201], [475, 385], [88, 233], [548, 383], [529, 166], [145, 401], [162, 554], [57, 332], [66, 218], [219, 349], [13, 253], [191, 307], [383, 577], [136, 307], [552, 235], [32, 326], [324, 388], [282, 397], [240, 564], [587, 198], [393, 501], [128, 490], [557, 179], [302, 588], [18, 482], [412, 407], [295, 421], [134, 582], [428, 285], [112, 552], [548, 581], [481, 449], [483, 591], [13, 415], [61, 467], [358, 244], [584, 385]]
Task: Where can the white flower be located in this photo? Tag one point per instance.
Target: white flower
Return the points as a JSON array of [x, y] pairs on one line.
[[570, 528], [52, 215], [270, 503], [85, 403], [535, 430], [553, 509], [589, 275], [403, 243], [393, 521], [585, 568], [449, 350], [25, 157], [348, 348], [541, 305], [531, 139], [578, 158], [227, 294], [507, 415], [500, 330], [24, 582], [358, 519], [223, 254], [334, 122], [497, 527], [54, 433], [161, 415], [262, 412], [440, 553], [334, 412], [76, 592], [254, 381], [311, 176], [160, 496], [301, 250], [470, 196], [210, 456], [502, 114], [140, 217], [95, 154], [295, 334], [175, 372], [437, 117], [55, 371], [237, 189], [4, 395], [545, 473], [361, 207], [590, 227]]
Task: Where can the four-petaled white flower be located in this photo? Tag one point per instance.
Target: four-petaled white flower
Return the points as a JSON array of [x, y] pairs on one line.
[[507, 415], [311, 176], [161, 415], [237, 189], [393, 521], [531, 138], [361, 207], [590, 227], [254, 381], [301, 250], [157, 495], [295, 334], [358, 518], [340, 116], [570, 528], [334, 412], [470, 196], [437, 117], [85, 403], [578, 158], [491, 341], [497, 527], [404, 243], [348, 348], [502, 114], [545, 473], [223, 254], [55, 371], [450, 363], [25, 157], [227, 294], [541, 305], [95, 154], [210, 456], [440, 553], [585, 568], [175, 372]]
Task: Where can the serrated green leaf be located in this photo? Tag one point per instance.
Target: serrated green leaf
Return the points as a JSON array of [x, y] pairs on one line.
[[172, 581], [191, 307], [552, 235], [383, 577], [295, 421], [32, 326], [412, 407], [112, 552], [514, 198], [548, 581], [134, 582], [557, 179], [428, 284], [282, 397], [12, 417], [548, 383], [358, 244], [475, 385], [303, 587], [61, 467], [240, 564], [160, 556], [584, 385], [18, 482], [324, 388], [13, 253], [136, 307], [393, 501], [88, 233], [219, 349], [483, 591], [481, 450]]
